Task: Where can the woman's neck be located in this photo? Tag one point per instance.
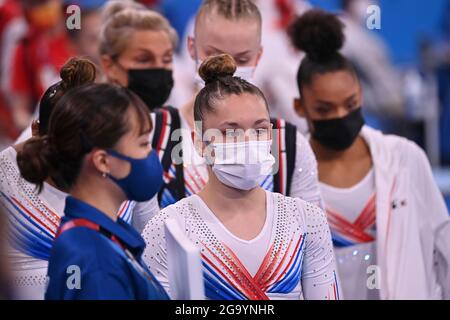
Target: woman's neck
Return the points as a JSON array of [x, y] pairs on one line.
[[99, 198], [343, 169], [187, 112], [230, 199], [242, 213]]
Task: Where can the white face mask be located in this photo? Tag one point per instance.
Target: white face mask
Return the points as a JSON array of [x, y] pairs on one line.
[[245, 73], [243, 165]]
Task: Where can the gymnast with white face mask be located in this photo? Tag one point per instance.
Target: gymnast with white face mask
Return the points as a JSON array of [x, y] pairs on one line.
[[254, 244]]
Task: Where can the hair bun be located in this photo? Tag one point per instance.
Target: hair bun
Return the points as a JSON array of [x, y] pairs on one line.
[[218, 66], [35, 160], [318, 33], [77, 72], [113, 7]]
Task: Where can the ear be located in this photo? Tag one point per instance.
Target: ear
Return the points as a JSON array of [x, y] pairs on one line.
[[271, 131], [299, 107], [106, 64], [35, 128], [191, 47], [199, 146], [110, 69], [193, 136], [100, 161], [361, 95]]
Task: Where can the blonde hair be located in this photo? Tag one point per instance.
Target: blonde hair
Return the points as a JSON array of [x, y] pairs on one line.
[[123, 17], [230, 10]]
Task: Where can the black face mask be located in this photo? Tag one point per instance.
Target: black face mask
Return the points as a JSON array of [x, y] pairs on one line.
[[153, 86], [340, 133]]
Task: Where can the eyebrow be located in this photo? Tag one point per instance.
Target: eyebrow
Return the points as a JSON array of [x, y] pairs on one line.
[[145, 50], [221, 51], [146, 131], [243, 53], [260, 121], [353, 96], [142, 50], [229, 124], [235, 124]]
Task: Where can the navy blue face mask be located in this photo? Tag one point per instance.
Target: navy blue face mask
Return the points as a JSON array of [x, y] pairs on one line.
[[145, 178]]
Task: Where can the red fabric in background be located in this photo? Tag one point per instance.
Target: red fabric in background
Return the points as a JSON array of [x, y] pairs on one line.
[[33, 54], [8, 11], [286, 11]]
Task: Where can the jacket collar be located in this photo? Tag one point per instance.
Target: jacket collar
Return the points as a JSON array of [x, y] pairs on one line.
[[77, 209]]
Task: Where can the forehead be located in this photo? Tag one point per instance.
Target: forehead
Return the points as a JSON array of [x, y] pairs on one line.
[[332, 86], [245, 107], [229, 36], [92, 19], [156, 41]]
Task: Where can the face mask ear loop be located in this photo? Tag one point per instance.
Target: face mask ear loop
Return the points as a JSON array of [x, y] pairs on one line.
[[208, 145], [196, 53], [197, 60], [117, 63], [121, 67]]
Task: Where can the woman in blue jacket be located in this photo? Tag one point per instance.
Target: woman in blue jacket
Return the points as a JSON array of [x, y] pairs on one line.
[[97, 148]]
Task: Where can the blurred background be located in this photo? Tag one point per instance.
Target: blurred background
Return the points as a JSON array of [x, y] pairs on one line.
[[404, 65]]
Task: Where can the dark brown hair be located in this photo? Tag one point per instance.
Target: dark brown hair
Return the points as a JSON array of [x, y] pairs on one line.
[[320, 35], [217, 72], [74, 73], [87, 117]]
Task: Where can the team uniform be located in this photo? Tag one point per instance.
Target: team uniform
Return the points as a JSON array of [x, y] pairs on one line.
[[34, 220], [297, 175], [351, 216], [395, 219], [104, 254], [291, 258]]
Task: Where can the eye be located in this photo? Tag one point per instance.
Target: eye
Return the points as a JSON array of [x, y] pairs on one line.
[[261, 132], [168, 59], [352, 105], [230, 133], [143, 59], [323, 110], [242, 61]]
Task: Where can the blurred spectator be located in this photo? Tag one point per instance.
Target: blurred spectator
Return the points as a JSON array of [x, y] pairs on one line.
[[37, 57], [34, 55], [85, 40], [11, 28]]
